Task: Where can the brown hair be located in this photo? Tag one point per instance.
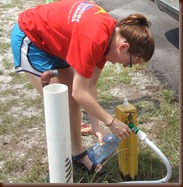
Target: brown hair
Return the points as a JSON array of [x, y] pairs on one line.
[[135, 28]]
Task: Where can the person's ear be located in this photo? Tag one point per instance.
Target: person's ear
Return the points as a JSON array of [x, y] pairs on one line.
[[124, 45]]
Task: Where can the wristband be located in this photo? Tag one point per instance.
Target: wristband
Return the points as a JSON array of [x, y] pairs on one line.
[[110, 123]]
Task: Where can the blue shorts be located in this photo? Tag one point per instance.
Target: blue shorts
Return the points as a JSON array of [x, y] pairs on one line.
[[29, 58]]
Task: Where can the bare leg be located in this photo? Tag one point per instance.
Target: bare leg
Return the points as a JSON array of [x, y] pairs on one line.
[[85, 128], [65, 76]]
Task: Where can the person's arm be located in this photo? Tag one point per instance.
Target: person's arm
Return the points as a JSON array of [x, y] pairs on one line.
[[96, 128], [81, 93]]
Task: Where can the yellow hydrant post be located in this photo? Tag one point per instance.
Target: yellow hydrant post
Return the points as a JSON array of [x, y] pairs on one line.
[[127, 149]]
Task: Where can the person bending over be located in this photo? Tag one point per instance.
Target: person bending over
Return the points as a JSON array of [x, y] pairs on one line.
[[69, 42]]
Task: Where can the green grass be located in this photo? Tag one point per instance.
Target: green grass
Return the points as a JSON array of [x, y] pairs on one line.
[[163, 112], [4, 47]]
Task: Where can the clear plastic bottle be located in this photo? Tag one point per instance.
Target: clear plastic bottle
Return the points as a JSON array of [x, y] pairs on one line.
[[97, 153]]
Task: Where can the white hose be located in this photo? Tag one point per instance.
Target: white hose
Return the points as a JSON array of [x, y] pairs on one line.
[[142, 136]]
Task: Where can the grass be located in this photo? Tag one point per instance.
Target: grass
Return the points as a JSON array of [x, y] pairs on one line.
[[23, 155], [17, 119]]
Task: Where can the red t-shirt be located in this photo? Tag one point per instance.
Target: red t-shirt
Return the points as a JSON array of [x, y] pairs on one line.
[[77, 31]]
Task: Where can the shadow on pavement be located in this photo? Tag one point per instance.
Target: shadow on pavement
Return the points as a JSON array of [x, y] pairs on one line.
[[173, 37]]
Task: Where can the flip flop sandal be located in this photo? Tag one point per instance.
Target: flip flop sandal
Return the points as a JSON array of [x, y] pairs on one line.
[[82, 166], [86, 129]]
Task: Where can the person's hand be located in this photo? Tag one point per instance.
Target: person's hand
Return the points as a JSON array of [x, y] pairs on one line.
[[120, 129], [47, 75]]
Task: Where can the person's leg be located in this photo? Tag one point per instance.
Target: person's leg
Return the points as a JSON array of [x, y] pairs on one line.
[[86, 129], [65, 76], [28, 58]]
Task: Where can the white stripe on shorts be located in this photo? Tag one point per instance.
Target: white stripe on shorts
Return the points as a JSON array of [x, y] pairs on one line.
[[25, 64]]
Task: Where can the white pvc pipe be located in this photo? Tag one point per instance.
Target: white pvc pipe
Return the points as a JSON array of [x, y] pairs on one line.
[[56, 107]]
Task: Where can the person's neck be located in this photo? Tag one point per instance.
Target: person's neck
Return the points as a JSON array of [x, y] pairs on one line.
[[111, 45], [110, 41]]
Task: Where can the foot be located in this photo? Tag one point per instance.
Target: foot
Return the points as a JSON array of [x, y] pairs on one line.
[[84, 159], [85, 129]]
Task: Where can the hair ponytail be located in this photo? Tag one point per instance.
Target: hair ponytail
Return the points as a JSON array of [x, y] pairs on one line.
[[135, 28], [135, 19]]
